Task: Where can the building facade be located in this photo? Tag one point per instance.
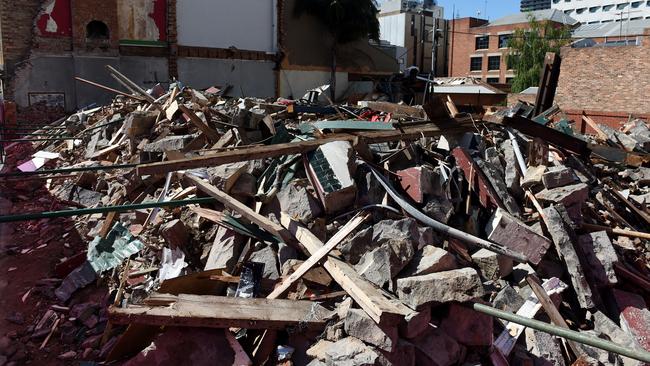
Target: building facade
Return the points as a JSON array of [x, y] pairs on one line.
[[257, 48], [419, 30], [479, 49], [532, 5], [603, 11]]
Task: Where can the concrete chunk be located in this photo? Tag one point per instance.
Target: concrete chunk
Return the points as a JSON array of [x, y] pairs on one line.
[[563, 237], [225, 250], [558, 177], [533, 176], [567, 195], [415, 323], [350, 351], [506, 230], [457, 285], [358, 324], [635, 316], [430, 260], [601, 257], [488, 262], [269, 257], [224, 176], [298, 202]]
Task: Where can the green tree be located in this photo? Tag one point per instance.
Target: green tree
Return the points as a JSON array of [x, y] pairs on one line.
[[345, 20], [528, 47]]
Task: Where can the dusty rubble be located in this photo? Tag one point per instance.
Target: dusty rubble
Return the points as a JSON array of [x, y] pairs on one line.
[[330, 235]]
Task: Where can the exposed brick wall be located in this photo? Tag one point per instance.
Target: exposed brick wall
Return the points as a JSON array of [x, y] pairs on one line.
[[17, 34], [85, 11], [605, 79], [611, 119]]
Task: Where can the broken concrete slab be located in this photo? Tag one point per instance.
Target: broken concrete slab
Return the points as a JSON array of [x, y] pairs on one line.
[[609, 329], [600, 256], [430, 259], [456, 285], [376, 267], [506, 230], [488, 262], [566, 195], [558, 177], [558, 225], [545, 346], [358, 324], [508, 299], [169, 143], [468, 326], [495, 178], [225, 250]]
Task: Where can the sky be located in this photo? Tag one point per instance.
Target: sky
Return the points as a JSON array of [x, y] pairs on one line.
[[465, 8]]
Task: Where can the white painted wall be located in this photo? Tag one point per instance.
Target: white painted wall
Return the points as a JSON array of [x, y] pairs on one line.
[[244, 24], [392, 29]]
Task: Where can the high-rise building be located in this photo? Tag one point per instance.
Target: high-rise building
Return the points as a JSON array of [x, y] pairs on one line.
[[603, 11], [531, 5]]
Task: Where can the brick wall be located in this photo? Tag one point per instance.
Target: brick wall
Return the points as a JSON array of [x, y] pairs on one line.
[[605, 79], [86, 11], [17, 33]]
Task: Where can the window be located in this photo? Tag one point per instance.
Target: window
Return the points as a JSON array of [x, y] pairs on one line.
[[569, 11], [608, 7], [594, 9], [556, 1], [476, 64], [97, 30], [504, 39], [636, 18], [636, 4], [492, 80], [509, 80], [607, 21], [482, 42], [594, 22], [621, 6], [494, 62], [581, 10]]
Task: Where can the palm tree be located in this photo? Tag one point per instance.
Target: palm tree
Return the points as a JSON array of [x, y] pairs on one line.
[[345, 20]]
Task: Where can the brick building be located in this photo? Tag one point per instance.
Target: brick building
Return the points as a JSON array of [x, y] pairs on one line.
[[258, 47], [610, 84], [478, 48]]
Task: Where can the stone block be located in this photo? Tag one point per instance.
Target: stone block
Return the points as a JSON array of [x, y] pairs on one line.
[[506, 230], [567, 195], [456, 285], [268, 256], [533, 176], [558, 177], [296, 200], [351, 351], [415, 323], [359, 325], [225, 250], [403, 355], [635, 316], [430, 259], [226, 175]]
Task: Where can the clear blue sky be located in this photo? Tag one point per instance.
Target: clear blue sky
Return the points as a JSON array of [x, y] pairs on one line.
[[466, 8]]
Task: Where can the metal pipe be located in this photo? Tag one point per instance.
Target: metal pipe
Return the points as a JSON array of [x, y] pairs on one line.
[[89, 211], [582, 338], [70, 170], [40, 140], [445, 229], [515, 147]]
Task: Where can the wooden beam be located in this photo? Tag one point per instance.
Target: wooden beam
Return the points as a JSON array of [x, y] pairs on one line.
[[318, 256], [246, 212], [271, 151], [552, 136], [603, 136], [621, 232], [221, 312], [212, 135], [378, 304]]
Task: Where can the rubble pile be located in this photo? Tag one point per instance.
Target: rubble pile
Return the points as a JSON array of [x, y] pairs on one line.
[[257, 231]]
